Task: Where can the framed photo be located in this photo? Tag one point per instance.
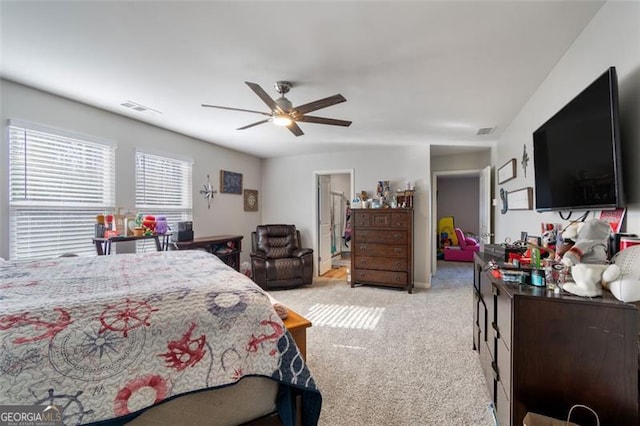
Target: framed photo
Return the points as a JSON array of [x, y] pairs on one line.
[[520, 199], [230, 182], [250, 200], [507, 172], [532, 239]]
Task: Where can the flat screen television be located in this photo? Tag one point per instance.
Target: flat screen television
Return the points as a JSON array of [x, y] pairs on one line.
[[576, 153]]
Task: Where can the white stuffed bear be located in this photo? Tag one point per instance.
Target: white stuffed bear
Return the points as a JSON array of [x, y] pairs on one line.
[[588, 258], [627, 286], [590, 245], [590, 278]]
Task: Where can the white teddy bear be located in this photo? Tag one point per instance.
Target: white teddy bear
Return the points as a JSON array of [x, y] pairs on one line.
[[588, 258], [591, 241], [590, 278], [626, 287]]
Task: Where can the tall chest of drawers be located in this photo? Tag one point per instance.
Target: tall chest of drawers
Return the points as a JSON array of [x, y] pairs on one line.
[[382, 247]]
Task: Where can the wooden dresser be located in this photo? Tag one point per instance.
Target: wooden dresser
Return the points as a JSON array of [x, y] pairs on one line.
[[543, 352], [382, 247]]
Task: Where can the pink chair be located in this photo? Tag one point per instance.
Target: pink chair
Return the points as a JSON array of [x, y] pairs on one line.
[[464, 251]]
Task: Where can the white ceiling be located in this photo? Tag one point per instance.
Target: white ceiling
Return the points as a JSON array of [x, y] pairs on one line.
[[419, 72]]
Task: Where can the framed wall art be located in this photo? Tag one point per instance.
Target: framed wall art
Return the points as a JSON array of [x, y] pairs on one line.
[[230, 182], [520, 199], [250, 200], [507, 172]]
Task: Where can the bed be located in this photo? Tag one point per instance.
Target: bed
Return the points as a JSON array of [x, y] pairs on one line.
[[147, 338]]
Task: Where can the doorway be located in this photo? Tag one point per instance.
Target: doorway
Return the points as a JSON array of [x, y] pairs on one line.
[[334, 190], [480, 181]]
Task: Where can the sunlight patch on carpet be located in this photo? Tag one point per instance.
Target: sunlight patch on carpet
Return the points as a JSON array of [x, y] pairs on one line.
[[339, 316]]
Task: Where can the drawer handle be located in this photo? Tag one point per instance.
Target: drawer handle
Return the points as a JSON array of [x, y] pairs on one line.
[[397, 279], [494, 366], [397, 264], [396, 236], [397, 250]]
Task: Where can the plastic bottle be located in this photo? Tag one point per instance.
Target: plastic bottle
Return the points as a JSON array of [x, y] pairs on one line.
[[535, 258]]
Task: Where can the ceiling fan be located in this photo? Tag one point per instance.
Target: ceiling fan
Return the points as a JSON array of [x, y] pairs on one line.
[[283, 113]]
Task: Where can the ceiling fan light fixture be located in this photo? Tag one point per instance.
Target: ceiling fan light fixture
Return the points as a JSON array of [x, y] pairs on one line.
[[282, 120]]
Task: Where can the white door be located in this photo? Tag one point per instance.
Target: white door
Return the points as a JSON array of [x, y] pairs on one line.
[[486, 234], [324, 224]]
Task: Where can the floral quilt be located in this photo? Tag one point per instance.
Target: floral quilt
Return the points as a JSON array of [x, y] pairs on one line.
[[108, 336]]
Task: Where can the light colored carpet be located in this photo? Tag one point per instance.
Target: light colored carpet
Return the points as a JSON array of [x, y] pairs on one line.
[[416, 366]]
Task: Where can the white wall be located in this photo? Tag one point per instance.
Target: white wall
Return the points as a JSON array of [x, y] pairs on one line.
[[289, 186], [459, 197], [226, 216], [612, 38], [461, 161]]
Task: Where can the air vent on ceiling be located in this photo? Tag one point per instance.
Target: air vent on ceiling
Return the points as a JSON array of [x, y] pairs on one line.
[[134, 106], [485, 131]]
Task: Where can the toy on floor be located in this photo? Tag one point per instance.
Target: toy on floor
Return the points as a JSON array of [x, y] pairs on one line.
[[465, 249]]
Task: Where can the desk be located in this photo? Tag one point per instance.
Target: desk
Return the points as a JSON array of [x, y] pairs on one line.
[[297, 326], [103, 245], [226, 247]]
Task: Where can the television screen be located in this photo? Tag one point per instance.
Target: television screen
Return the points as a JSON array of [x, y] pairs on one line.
[[576, 153]]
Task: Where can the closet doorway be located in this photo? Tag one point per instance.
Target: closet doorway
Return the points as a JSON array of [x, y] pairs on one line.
[[334, 192]]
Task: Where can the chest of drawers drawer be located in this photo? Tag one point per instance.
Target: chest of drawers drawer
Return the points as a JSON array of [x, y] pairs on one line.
[[375, 236], [381, 263], [382, 277], [379, 250]]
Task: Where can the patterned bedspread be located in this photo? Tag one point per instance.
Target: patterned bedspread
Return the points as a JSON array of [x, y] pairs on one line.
[[107, 336]]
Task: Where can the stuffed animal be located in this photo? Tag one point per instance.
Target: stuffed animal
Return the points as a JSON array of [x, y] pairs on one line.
[[566, 239], [588, 279], [588, 257], [626, 287], [591, 243]]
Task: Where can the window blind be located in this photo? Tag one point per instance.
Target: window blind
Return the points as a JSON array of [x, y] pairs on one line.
[[163, 187], [57, 186]]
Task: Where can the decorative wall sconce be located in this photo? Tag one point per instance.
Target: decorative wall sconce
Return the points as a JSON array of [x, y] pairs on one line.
[[208, 192]]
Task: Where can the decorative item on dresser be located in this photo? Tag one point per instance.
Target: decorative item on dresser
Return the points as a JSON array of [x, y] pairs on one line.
[[544, 352], [382, 247], [226, 247]]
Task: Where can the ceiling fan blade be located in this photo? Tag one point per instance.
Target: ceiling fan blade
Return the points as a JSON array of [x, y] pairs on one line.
[[265, 97], [323, 120], [254, 124], [236, 109], [319, 104], [295, 129]]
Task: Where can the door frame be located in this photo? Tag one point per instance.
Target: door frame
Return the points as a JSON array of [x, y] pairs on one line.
[[314, 231], [434, 207]]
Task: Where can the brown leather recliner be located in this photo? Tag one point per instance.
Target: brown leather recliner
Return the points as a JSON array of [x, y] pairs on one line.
[[277, 261]]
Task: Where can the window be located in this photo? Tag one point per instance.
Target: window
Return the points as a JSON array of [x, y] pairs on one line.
[[163, 187], [58, 183]]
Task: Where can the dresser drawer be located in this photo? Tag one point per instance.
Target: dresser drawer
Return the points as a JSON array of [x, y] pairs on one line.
[[372, 218], [381, 263], [374, 236], [400, 220], [381, 250], [382, 277], [504, 365]]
